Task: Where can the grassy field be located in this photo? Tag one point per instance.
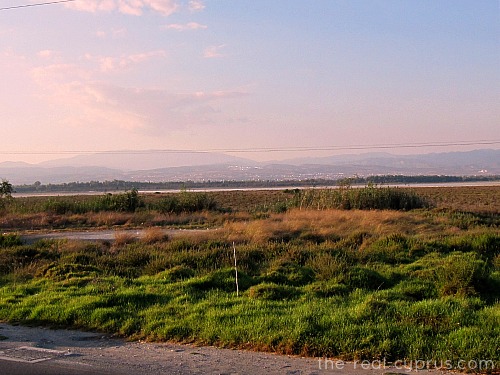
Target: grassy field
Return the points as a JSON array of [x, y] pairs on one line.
[[413, 275]]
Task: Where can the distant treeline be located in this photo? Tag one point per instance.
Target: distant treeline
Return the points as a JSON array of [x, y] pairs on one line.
[[119, 185], [399, 179]]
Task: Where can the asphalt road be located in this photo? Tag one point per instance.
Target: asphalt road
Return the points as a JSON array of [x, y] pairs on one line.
[[52, 367], [42, 351]]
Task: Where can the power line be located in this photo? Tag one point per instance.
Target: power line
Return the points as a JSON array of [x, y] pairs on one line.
[[36, 4], [259, 149]]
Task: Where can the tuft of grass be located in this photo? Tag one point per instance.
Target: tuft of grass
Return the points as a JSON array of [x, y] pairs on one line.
[[461, 274], [124, 238], [154, 235], [10, 240], [176, 273], [273, 292]]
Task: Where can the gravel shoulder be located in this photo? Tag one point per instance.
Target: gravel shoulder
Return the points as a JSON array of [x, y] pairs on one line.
[[55, 351]]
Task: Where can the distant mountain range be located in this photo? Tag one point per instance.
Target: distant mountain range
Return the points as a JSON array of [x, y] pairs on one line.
[[144, 160], [169, 166]]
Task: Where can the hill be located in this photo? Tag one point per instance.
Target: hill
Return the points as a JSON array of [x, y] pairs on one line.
[[167, 166]]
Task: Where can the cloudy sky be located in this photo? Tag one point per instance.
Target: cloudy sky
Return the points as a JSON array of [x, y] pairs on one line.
[[101, 75]]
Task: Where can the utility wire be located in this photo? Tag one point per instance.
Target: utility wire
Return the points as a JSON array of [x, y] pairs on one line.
[[36, 4], [258, 149]]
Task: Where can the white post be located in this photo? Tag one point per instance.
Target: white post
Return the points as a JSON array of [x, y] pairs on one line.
[[235, 270]]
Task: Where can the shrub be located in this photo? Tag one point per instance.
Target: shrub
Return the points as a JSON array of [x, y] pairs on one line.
[[368, 198], [461, 273], [186, 202], [10, 239], [496, 262], [126, 202], [61, 207], [123, 238], [66, 271], [154, 235], [327, 266]]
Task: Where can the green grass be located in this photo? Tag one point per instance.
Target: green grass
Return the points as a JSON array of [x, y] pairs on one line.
[[438, 304], [367, 198]]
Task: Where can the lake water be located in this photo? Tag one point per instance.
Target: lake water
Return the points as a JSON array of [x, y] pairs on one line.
[[435, 184]]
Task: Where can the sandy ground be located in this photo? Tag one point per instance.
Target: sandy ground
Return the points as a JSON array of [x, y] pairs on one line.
[[90, 352]]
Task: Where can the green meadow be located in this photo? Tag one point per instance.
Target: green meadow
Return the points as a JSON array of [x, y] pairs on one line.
[[370, 273]]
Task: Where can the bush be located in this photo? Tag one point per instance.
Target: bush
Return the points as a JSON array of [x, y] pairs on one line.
[[370, 197], [461, 273], [66, 271], [154, 235], [10, 239], [327, 266], [127, 202], [186, 202]]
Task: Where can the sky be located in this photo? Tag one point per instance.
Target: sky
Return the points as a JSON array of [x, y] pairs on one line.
[[287, 78]]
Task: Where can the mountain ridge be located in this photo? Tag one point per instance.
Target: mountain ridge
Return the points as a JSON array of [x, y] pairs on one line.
[[215, 166], [127, 160]]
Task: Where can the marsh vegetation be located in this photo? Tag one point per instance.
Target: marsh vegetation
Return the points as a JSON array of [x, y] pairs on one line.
[[352, 273]]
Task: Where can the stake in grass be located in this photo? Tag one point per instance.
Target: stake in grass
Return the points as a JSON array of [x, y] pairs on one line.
[[235, 270]]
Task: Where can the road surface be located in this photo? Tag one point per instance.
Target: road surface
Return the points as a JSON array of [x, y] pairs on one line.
[[43, 351]]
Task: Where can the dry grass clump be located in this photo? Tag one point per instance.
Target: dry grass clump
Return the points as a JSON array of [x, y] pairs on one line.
[[154, 235], [327, 224], [109, 218], [26, 221], [124, 238]]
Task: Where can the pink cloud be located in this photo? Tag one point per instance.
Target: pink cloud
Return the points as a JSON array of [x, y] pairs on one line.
[[113, 33], [213, 51], [82, 100], [46, 54], [92, 6], [164, 7], [111, 64], [183, 27], [130, 7], [148, 111], [196, 5], [54, 74]]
